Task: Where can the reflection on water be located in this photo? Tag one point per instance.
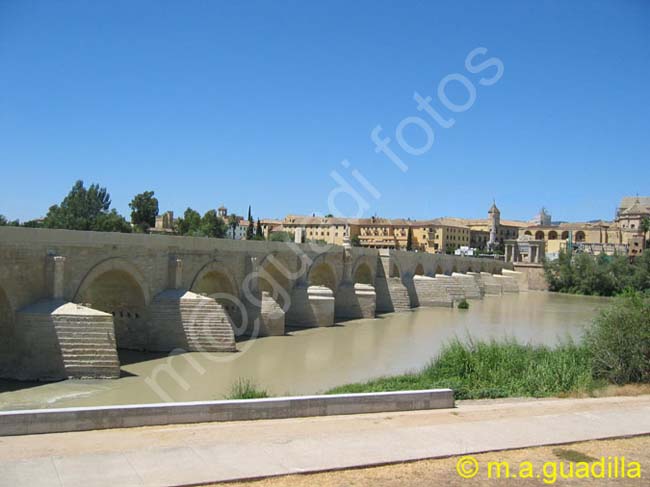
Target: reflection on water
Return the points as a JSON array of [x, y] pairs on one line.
[[313, 360]]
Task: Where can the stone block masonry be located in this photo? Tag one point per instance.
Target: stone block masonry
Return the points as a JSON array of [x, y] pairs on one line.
[[468, 284], [65, 341], [432, 292], [508, 284], [490, 284], [188, 321]]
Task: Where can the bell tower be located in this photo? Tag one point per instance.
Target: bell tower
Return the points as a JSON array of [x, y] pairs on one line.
[[494, 219]]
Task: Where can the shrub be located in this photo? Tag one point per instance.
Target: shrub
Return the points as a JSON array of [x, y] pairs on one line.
[[619, 340], [463, 304], [246, 389]]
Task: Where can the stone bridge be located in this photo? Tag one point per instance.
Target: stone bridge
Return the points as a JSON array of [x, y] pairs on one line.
[[69, 300]]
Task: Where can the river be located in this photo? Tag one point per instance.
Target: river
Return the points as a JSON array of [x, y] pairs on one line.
[[309, 361]]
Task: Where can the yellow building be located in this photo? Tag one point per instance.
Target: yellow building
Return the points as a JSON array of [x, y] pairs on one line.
[[323, 229], [434, 236]]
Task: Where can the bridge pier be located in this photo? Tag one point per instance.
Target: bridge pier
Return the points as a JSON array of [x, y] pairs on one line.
[[432, 292], [311, 306], [490, 284], [58, 340], [354, 301], [508, 284], [454, 290], [271, 318], [468, 284], [181, 319]]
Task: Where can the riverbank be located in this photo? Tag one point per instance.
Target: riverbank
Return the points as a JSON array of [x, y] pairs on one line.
[[614, 350], [477, 370]]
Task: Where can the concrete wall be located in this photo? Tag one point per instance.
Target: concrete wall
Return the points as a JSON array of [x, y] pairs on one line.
[[93, 418]]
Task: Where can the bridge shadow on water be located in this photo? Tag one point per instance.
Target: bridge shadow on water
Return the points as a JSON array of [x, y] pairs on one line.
[[128, 357]]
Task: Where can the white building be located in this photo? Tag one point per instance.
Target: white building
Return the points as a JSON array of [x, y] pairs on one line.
[[240, 229], [465, 251]]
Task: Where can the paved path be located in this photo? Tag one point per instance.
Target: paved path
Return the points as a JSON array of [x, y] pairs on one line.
[[194, 454]]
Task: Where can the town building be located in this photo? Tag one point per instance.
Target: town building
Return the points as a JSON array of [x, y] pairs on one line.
[[625, 235], [164, 223]]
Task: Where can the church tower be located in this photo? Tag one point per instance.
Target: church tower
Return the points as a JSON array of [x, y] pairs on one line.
[[494, 219]]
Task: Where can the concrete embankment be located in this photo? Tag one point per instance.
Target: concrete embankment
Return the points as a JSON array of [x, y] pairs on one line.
[[81, 419]]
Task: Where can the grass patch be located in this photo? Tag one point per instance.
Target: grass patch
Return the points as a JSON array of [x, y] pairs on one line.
[[463, 304], [477, 370], [246, 389]]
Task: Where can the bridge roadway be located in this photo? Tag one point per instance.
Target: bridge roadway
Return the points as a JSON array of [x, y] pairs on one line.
[[69, 299]]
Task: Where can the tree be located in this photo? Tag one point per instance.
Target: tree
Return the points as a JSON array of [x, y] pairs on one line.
[[3, 221], [355, 241], [112, 222], [233, 221], [250, 230], [281, 237], [144, 210], [84, 209], [259, 234], [409, 239], [645, 228], [190, 223], [212, 225]]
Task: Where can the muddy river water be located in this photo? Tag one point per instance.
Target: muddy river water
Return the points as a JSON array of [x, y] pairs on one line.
[[310, 361]]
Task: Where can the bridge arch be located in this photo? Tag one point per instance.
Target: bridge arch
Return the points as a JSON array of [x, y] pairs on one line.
[[114, 265], [214, 280], [277, 278], [419, 270], [117, 287], [439, 269], [363, 274], [322, 274], [214, 277]]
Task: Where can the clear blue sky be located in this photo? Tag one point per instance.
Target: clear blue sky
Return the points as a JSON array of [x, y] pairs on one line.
[[209, 102]]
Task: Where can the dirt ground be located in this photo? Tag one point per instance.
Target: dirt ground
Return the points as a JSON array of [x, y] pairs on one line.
[[442, 472]]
